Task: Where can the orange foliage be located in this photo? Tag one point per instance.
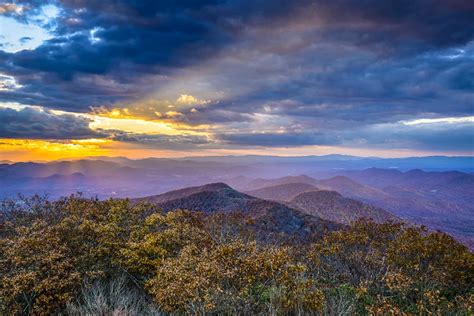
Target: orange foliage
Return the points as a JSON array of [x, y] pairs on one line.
[[187, 262]]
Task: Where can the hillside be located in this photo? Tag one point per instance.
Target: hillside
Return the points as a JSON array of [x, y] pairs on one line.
[[269, 216], [332, 206], [353, 189], [80, 256], [270, 188], [282, 192], [329, 205], [261, 183], [440, 200], [186, 192]]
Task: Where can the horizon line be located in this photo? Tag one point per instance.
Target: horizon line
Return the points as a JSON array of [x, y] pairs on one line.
[[230, 156]]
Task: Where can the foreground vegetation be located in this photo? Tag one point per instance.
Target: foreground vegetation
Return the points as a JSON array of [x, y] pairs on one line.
[[82, 256]]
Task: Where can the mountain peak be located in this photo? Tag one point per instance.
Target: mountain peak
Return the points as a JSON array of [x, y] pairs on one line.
[[214, 186], [269, 216], [186, 192]]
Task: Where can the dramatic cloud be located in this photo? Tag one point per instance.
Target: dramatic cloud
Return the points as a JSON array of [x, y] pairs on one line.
[[444, 134], [168, 142], [247, 73], [35, 123]]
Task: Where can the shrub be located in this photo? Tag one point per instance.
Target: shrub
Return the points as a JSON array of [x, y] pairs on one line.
[[113, 297], [396, 269], [235, 277], [37, 275], [86, 257]]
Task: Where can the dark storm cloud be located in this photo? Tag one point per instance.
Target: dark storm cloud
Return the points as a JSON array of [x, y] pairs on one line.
[[33, 123], [434, 23], [125, 40], [119, 41], [355, 88]]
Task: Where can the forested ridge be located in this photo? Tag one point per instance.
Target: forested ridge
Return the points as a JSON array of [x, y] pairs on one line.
[[78, 256]]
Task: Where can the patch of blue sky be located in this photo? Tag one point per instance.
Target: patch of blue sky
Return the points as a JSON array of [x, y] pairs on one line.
[[17, 35]]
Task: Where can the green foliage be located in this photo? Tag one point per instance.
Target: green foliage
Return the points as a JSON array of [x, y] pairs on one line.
[[85, 256]]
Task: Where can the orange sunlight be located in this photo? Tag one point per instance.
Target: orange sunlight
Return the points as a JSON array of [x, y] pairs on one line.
[[43, 150]]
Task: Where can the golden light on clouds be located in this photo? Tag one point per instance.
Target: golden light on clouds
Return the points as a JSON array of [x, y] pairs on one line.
[[109, 123], [125, 120], [150, 116], [185, 99], [153, 108], [28, 149], [141, 126], [136, 123], [45, 150]]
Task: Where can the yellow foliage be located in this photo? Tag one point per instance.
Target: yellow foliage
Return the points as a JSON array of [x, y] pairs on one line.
[[198, 280], [37, 275], [397, 270], [188, 262]]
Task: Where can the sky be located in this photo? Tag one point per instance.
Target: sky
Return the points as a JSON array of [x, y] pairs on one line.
[[83, 78]]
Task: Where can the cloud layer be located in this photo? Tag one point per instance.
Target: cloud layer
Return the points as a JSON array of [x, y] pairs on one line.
[[36, 123], [255, 73]]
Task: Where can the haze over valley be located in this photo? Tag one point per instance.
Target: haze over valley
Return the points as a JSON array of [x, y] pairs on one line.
[[343, 188]]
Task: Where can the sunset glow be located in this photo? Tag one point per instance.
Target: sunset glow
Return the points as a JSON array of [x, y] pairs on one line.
[[236, 157], [300, 80], [42, 150], [135, 125]]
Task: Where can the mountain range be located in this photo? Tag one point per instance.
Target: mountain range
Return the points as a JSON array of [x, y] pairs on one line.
[[268, 216], [442, 199], [329, 205]]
